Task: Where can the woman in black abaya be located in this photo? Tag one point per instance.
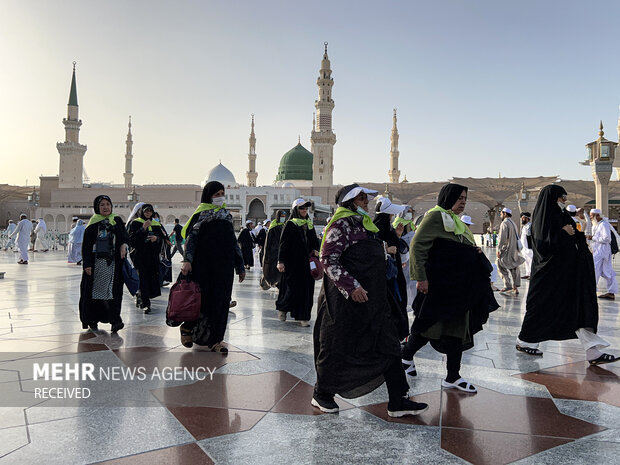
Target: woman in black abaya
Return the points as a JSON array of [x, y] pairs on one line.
[[297, 243], [356, 344], [146, 238], [212, 256], [561, 301], [246, 242], [103, 249], [271, 275]]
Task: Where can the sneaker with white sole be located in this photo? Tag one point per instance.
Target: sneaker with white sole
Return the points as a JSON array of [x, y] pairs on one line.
[[325, 403], [404, 407], [304, 323]]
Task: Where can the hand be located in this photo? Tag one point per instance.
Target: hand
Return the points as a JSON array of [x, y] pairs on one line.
[[315, 253], [399, 229], [242, 277], [146, 224], [281, 267], [479, 249], [359, 295], [152, 238], [392, 249], [497, 253], [88, 271], [123, 251], [186, 268], [422, 286], [569, 229]]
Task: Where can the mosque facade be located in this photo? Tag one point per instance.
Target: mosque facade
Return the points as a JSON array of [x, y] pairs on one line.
[[301, 172]]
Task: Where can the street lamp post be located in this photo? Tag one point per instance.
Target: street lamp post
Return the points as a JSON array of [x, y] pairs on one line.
[[601, 155], [33, 202]]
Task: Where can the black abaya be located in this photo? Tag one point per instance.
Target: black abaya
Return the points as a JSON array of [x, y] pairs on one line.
[[562, 294], [271, 274], [297, 284], [146, 258], [104, 311], [246, 241]]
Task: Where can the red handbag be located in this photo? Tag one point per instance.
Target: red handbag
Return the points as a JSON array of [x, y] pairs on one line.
[[183, 301], [316, 268]]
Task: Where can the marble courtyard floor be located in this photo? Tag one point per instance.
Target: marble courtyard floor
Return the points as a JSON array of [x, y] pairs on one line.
[[255, 409]]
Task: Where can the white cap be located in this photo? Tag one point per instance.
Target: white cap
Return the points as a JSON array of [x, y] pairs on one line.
[[74, 218], [571, 208], [595, 211], [249, 222], [301, 203], [466, 219], [388, 207], [358, 190], [507, 210]]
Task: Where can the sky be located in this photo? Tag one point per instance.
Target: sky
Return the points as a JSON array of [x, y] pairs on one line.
[[481, 87]]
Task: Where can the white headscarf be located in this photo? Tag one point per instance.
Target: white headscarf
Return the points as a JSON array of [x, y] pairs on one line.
[[134, 213]]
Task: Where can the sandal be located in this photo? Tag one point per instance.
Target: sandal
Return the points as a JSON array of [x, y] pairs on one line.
[[218, 347], [409, 367], [186, 338], [505, 290], [605, 358], [461, 385], [528, 350]]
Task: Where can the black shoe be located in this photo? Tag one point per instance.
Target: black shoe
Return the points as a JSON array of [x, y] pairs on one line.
[[325, 402], [117, 326], [404, 407], [93, 326], [147, 310]]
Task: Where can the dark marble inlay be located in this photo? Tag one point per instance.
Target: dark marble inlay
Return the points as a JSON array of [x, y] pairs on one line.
[[179, 455], [208, 422], [493, 448]]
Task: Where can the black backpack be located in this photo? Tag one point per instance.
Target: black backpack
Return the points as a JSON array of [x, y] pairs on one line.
[[614, 243]]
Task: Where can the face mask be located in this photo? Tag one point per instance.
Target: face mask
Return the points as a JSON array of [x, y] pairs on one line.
[[361, 211], [218, 201], [282, 219], [408, 216], [562, 205]]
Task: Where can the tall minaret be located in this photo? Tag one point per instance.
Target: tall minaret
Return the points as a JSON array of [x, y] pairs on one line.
[[71, 151], [394, 173], [323, 138], [252, 174], [128, 158]]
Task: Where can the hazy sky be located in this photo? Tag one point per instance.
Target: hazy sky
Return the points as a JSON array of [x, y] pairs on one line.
[[481, 87]]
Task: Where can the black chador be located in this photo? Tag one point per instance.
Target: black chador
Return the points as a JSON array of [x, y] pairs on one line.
[[271, 275], [246, 242]]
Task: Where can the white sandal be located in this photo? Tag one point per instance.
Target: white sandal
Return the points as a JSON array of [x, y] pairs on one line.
[[460, 384], [409, 367]]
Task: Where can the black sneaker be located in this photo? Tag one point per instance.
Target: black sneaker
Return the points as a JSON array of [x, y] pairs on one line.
[[405, 407], [325, 403], [117, 327]]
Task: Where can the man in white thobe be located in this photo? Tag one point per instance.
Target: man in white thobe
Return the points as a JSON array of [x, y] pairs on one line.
[[41, 231], [9, 230], [601, 251], [22, 231], [526, 252], [508, 258]]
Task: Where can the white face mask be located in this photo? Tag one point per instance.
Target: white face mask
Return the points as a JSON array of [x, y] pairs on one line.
[[408, 215], [218, 201], [562, 205], [282, 219]]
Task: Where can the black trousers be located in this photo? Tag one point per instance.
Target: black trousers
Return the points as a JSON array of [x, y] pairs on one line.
[[454, 352]]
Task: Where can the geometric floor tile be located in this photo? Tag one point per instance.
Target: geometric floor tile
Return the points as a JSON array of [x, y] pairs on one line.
[[252, 392], [493, 448], [209, 422], [179, 455], [580, 381]]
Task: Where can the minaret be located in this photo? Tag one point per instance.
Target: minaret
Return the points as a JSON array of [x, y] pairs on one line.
[[323, 138], [128, 158], [252, 174], [394, 173], [71, 151]]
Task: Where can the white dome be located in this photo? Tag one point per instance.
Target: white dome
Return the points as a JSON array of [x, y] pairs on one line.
[[221, 174]]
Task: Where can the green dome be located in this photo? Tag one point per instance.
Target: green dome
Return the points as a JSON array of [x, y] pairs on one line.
[[296, 164]]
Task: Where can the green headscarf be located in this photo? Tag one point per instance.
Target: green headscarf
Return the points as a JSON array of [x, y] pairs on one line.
[[201, 208], [400, 220], [460, 228], [96, 218], [153, 222], [300, 222], [342, 212]]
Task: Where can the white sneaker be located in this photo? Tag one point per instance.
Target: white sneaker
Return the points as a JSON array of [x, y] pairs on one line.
[[304, 323], [282, 316]]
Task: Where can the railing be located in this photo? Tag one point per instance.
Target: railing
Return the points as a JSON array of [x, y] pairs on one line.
[[53, 238]]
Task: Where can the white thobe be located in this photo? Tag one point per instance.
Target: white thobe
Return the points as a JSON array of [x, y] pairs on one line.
[[9, 231], [527, 253], [601, 251], [41, 231], [22, 231]]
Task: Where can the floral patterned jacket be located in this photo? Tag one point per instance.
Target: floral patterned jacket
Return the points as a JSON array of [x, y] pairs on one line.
[[342, 234]]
